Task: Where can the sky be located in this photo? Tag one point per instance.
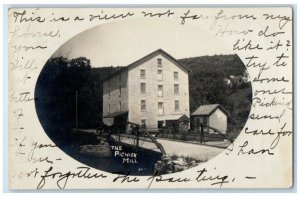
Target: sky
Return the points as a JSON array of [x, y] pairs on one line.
[[123, 42]]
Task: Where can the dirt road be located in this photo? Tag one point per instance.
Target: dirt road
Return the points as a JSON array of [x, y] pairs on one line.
[[201, 152], [196, 151]]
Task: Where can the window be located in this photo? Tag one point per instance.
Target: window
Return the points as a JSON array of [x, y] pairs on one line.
[[143, 88], [176, 76], [160, 124], [160, 108], [176, 89], [120, 106], [204, 120], [108, 89], [176, 106], [159, 62], [120, 91], [159, 75], [143, 73], [160, 92], [143, 121], [143, 105]]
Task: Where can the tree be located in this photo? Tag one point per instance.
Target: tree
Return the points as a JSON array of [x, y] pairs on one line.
[[56, 92]]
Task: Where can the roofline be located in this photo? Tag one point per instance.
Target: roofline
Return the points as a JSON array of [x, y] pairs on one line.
[[205, 114], [217, 106], [112, 115], [222, 109], [145, 58], [110, 76]]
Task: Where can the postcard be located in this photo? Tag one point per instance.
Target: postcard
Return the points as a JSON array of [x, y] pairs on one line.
[[150, 98]]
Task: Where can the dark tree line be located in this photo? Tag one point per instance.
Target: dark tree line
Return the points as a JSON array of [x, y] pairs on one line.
[[56, 90]]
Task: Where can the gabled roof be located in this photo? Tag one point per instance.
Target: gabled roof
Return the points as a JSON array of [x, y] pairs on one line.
[[147, 57], [207, 110], [183, 118]]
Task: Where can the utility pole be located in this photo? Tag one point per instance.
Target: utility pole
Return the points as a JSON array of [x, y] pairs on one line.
[[76, 110]]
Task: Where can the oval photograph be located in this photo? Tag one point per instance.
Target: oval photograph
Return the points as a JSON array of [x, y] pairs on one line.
[[143, 97]]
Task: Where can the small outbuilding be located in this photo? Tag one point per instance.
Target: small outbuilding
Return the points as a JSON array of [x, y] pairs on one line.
[[213, 115], [181, 124]]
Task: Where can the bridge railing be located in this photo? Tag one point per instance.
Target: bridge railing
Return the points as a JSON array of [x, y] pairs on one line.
[[200, 132], [137, 132]]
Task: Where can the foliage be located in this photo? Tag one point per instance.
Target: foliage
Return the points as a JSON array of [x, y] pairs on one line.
[[61, 78], [206, 86], [56, 90]]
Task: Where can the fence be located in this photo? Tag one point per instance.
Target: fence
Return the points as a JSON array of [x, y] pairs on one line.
[[197, 135], [192, 136]]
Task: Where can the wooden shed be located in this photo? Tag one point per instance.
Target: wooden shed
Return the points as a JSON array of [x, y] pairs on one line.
[[213, 115]]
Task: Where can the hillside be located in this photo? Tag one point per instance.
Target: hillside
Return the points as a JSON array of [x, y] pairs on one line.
[[62, 79], [224, 64], [206, 86]]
